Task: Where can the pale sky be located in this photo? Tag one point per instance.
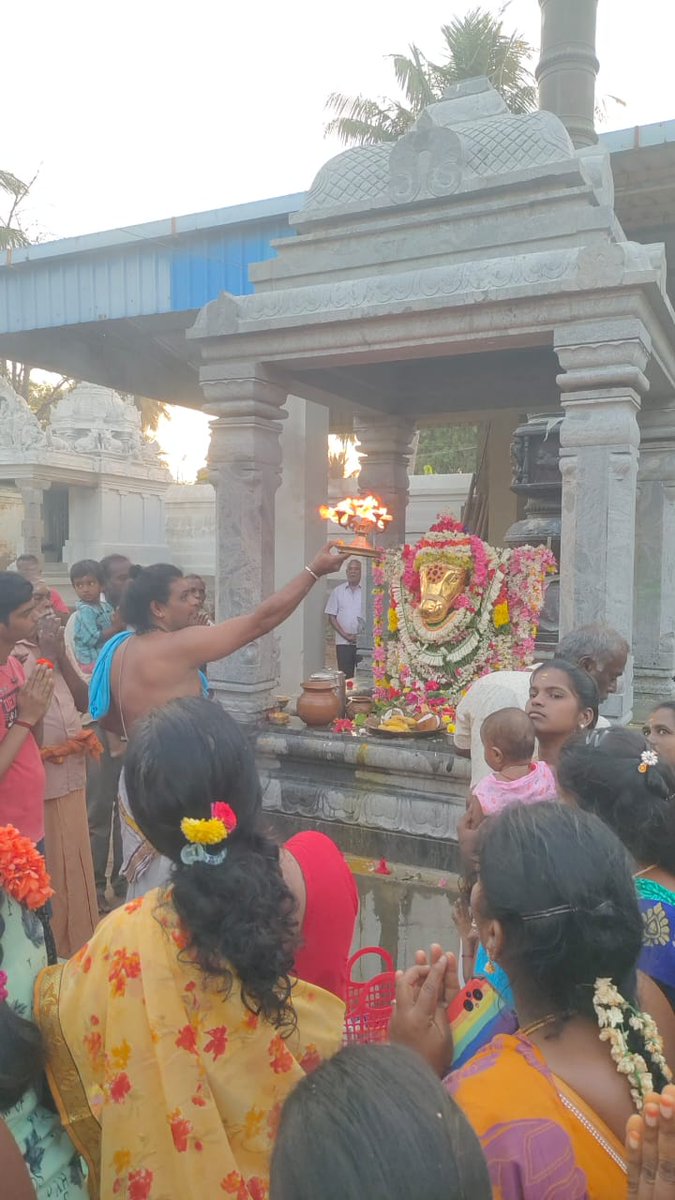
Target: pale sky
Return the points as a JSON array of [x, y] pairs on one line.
[[138, 110]]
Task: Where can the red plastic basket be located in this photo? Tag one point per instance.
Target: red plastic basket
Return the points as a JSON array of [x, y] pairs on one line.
[[369, 1003]]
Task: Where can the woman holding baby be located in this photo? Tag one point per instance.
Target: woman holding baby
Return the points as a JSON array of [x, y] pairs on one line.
[[563, 702]]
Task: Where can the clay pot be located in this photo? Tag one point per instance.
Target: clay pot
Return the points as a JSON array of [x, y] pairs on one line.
[[359, 704], [319, 703]]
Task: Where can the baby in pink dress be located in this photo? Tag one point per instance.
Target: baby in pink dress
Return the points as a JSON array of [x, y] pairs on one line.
[[509, 739]]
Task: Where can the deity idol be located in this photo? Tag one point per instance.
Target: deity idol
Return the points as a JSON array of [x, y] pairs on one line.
[[451, 608], [440, 584]]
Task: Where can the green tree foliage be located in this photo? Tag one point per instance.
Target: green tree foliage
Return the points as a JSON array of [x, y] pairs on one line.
[[14, 192], [151, 411], [446, 449], [476, 44]]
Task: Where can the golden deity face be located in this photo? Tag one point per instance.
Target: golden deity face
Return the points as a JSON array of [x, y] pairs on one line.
[[441, 584]]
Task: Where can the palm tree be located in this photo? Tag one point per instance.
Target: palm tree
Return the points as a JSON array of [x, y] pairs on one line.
[[11, 235], [151, 412], [474, 45]]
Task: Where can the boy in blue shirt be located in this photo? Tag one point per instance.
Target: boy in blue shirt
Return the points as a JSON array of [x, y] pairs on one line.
[[93, 615]]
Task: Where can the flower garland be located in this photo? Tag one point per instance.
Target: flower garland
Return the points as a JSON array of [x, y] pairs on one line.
[[492, 624], [222, 823], [22, 869], [612, 1011], [529, 567]]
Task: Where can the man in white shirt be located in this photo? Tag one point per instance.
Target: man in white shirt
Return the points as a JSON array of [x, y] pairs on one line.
[[344, 610], [597, 649]]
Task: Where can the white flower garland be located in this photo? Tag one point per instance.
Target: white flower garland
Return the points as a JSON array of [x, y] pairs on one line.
[[418, 642], [611, 1009]]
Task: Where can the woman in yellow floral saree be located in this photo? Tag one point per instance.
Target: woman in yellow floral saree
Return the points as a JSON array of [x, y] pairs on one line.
[[167, 1086], [176, 1033]]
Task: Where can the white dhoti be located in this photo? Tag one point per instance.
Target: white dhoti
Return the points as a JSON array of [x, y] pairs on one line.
[[143, 867]]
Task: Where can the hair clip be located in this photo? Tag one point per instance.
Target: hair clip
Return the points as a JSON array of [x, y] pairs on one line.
[[4, 994], [648, 758], [558, 911], [196, 853]]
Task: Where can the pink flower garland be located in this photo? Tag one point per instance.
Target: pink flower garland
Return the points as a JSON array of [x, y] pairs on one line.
[[528, 568]]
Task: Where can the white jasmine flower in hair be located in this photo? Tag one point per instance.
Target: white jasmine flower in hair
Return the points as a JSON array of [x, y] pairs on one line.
[[649, 758], [603, 987], [606, 993]]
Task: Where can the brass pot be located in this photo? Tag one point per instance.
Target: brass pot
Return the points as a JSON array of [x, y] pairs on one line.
[[319, 704], [359, 704]]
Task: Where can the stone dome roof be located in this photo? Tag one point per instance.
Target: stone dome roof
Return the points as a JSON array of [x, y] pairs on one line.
[[456, 145], [91, 406]]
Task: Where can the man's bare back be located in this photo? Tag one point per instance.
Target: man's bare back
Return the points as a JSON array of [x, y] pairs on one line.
[[161, 662], [144, 677]]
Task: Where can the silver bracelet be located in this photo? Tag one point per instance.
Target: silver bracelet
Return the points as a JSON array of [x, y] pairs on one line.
[[314, 575]]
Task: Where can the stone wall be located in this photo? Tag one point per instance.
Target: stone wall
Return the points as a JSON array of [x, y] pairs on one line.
[[191, 527], [11, 519]]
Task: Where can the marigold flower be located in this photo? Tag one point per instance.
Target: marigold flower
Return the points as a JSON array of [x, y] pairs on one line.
[[501, 615], [22, 869], [203, 833]]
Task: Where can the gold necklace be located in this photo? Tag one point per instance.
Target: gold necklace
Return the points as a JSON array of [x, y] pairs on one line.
[[637, 874], [528, 1030]]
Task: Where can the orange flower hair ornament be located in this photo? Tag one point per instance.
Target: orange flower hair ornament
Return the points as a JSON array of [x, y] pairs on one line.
[[202, 833], [22, 869]]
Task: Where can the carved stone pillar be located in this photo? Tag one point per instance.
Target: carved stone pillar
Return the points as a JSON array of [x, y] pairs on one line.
[[32, 527], [602, 383], [245, 469], [386, 446], [654, 622], [300, 533]]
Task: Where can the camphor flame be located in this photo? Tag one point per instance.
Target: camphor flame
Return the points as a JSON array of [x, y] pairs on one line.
[[357, 513]]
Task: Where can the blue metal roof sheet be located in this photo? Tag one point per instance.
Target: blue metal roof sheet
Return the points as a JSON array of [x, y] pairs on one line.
[[175, 265]]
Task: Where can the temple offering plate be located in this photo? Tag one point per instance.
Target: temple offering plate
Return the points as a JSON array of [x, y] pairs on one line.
[[395, 723]]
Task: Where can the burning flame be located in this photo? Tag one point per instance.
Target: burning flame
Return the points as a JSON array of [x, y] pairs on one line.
[[357, 511]]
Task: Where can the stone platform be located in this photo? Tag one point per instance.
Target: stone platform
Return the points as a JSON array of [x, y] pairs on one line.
[[400, 800]]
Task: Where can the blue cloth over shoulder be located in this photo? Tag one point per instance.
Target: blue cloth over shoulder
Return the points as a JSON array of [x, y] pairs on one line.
[[99, 685]]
